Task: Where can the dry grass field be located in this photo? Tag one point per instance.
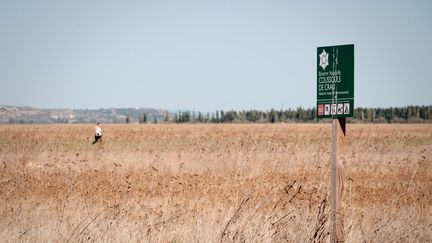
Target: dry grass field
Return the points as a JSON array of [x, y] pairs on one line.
[[212, 183]]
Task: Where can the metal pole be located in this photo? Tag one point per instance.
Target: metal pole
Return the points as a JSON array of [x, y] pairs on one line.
[[333, 181]]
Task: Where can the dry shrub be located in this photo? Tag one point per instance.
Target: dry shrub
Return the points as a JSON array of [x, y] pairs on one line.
[[212, 183]]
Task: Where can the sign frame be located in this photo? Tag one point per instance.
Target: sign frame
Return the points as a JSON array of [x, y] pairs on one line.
[[335, 81]]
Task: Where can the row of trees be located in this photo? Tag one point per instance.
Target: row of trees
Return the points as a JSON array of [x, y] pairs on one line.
[[146, 118], [250, 116], [407, 114]]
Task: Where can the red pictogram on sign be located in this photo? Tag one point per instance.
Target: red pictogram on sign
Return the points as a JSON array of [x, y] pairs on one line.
[[320, 110]]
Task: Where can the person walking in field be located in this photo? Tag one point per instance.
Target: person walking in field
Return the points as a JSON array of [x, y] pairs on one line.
[[98, 134]]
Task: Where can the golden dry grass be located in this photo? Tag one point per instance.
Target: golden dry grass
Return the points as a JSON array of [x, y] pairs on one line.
[[212, 183]]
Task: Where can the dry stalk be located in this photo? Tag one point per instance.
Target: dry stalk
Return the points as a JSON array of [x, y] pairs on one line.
[[233, 218]]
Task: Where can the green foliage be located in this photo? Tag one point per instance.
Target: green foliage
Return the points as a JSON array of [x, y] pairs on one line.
[[408, 114], [182, 117], [143, 118]]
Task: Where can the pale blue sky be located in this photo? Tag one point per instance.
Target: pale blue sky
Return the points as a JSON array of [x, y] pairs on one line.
[[208, 55]]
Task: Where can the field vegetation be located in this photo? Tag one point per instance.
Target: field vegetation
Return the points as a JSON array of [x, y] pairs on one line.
[[212, 183]]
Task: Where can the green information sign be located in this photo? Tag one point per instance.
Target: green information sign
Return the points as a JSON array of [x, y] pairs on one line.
[[335, 81]]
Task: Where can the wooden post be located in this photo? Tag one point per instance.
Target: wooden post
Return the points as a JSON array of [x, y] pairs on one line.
[[337, 179]]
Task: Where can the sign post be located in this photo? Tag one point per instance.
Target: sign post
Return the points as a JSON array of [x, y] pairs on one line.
[[335, 99]]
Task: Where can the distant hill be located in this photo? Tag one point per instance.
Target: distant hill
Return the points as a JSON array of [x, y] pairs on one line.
[[25, 115]]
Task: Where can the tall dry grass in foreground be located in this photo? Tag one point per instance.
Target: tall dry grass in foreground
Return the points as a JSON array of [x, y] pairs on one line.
[[212, 183]]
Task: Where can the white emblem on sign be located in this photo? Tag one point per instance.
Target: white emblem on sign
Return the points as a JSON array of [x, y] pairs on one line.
[[339, 109], [324, 59], [333, 109], [327, 109], [346, 108]]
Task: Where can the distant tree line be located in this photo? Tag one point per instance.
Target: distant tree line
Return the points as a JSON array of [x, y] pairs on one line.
[[409, 114]]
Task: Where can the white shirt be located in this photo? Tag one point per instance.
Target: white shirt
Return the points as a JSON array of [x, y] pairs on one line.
[[98, 130]]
